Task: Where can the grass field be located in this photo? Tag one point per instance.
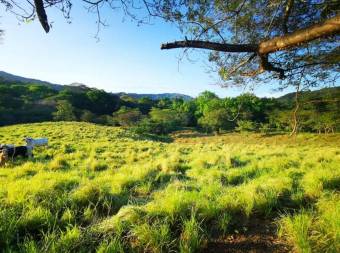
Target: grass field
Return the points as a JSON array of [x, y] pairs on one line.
[[100, 189]]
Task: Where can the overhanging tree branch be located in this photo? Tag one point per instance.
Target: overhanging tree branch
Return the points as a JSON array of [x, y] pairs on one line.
[[325, 29], [222, 47], [263, 49]]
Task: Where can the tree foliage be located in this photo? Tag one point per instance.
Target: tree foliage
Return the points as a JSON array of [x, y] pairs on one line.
[[23, 103], [127, 116], [65, 111], [215, 120]]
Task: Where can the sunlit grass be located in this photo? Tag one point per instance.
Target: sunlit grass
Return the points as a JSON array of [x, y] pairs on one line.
[[101, 189]]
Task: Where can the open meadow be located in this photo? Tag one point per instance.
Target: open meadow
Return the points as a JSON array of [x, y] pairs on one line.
[[103, 189]]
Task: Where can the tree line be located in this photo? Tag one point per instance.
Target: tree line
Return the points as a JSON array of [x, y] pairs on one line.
[[319, 111]]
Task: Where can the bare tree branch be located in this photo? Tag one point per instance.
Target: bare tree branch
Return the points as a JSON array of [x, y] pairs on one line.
[[326, 28], [268, 66], [222, 47]]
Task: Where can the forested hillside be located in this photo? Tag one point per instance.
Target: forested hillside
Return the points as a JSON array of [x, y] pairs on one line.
[[10, 78], [323, 95], [29, 102]]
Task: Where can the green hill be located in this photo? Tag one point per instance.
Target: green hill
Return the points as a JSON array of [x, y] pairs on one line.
[[7, 77], [78, 87], [325, 94]]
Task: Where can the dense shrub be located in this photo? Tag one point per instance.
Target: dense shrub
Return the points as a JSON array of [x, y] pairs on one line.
[[148, 126], [245, 126], [127, 116]]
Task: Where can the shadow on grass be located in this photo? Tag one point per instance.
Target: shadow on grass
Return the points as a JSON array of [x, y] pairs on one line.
[[191, 134], [237, 162], [13, 162], [146, 137], [154, 137], [271, 134]]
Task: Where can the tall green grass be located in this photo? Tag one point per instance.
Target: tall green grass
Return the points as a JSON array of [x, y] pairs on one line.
[[100, 189]]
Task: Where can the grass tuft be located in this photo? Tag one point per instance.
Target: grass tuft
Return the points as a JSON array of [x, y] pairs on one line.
[[296, 229], [192, 236]]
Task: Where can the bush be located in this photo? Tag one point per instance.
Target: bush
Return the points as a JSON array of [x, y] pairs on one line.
[[127, 116], [169, 116], [87, 116], [215, 120], [245, 126], [106, 120], [148, 126], [264, 128], [65, 111]]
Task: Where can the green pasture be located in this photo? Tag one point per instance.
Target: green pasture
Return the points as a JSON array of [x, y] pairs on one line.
[[102, 189]]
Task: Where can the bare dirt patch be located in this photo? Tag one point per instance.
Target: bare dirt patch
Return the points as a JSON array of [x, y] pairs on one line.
[[259, 236]]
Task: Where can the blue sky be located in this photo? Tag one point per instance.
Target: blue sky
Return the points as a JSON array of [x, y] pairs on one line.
[[127, 57]]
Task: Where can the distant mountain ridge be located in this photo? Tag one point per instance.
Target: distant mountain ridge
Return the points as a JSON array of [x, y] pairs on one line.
[[332, 92], [15, 78]]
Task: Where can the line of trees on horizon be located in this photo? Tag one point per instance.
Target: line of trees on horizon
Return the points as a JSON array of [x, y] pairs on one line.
[[26, 103]]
